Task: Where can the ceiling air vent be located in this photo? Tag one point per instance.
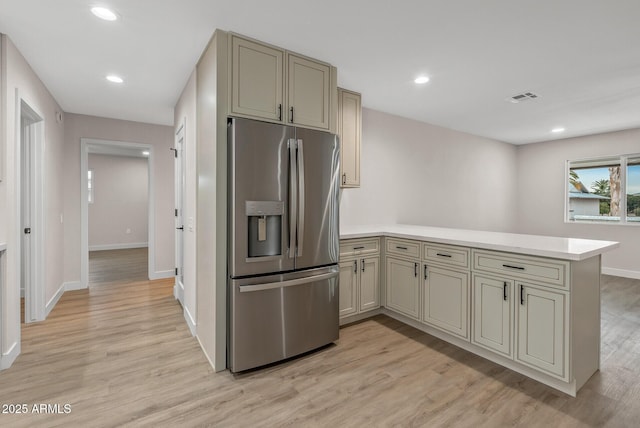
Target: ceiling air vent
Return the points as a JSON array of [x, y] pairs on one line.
[[525, 96]]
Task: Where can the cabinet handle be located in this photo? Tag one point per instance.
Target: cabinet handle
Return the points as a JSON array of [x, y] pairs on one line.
[[355, 266], [358, 248], [280, 112], [504, 291], [291, 115], [513, 267], [521, 294], [415, 270], [443, 255], [362, 263], [344, 178], [401, 248], [425, 271]]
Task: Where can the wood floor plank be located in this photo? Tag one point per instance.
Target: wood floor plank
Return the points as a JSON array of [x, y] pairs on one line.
[[121, 354]]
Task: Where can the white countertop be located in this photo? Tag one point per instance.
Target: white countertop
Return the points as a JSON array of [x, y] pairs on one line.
[[536, 245]]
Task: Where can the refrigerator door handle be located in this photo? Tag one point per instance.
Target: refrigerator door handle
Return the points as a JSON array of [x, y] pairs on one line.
[[293, 198], [290, 283], [300, 198]]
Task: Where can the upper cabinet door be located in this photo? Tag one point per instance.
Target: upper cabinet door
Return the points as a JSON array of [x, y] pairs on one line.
[[309, 95], [257, 80], [349, 130]]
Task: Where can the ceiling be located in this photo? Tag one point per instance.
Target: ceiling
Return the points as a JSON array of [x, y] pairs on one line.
[[580, 57]]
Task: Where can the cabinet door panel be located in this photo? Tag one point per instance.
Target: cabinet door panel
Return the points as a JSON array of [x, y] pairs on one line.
[[257, 80], [348, 287], [369, 283], [308, 92], [403, 287], [349, 130], [541, 329], [445, 298], [492, 314]]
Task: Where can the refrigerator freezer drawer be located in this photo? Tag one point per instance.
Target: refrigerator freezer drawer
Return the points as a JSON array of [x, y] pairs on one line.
[[281, 316]]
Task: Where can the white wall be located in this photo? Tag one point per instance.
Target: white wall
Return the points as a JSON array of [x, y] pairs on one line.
[[541, 195], [161, 138], [185, 114], [119, 214], [417, 173], [19, 75]]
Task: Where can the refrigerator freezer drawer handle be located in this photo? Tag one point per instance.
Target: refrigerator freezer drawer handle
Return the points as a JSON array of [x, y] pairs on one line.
[[301, 197], [290, 283]]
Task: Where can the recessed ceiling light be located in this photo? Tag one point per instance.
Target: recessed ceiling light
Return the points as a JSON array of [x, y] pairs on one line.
[[557, 130], [421, 80], [115, 79], [145, 153], [104, 13]]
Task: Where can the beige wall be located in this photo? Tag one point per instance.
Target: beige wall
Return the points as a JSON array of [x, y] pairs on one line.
[[185, 114], [417, 173], [19, 76], [541, 195], [119, 214], [161, 138]]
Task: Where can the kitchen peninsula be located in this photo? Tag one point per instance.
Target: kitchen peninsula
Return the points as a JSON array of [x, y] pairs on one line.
[[530, 303]]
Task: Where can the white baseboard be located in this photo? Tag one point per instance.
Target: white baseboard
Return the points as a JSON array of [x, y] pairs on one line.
[[189, 319], [7, 358], [74, 285], [54, 300], [118, 246], [178, 293], [162, 274], [621, 272]]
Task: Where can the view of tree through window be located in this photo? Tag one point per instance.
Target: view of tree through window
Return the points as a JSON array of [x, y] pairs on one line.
[[597, 188]]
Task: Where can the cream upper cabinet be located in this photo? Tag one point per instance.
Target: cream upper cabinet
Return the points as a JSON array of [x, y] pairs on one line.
[[308, 92], [349, 131], [256, 79], [445, 299]]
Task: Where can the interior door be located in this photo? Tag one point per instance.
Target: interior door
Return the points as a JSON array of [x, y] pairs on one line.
[[179, 209], [25, 222], [318, 237]]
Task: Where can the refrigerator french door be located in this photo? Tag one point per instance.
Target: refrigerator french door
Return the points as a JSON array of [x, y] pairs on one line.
[[283, 242]]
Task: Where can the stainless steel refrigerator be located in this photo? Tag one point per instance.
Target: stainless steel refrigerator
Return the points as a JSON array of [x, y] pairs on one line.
[[283, 242]]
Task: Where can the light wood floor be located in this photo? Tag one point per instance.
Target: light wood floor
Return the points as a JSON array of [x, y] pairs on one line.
[[121, 355], [116, 266]]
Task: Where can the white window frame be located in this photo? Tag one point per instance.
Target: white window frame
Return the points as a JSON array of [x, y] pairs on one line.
[[623, 189]]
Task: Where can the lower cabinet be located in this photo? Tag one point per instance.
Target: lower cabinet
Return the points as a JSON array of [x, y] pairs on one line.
[[535, 316], [445, 299], [359, 285], [403, 286], [542, 341], [492, 314]]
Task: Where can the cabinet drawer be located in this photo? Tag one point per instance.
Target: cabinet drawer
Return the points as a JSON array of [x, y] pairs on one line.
[[403, 247], [446, 254], [553, 272], [356, 247]]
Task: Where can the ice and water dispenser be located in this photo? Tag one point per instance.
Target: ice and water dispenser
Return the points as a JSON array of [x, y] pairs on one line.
[[264, 220]]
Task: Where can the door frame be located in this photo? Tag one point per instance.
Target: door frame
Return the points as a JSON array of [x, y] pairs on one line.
[[86, 145], [179, 203], [35, 291]]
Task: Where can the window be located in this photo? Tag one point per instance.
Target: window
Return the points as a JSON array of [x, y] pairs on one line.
[[90, 186], [597, 189]]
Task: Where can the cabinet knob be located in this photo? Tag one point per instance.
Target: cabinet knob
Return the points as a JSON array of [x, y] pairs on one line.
[[521, 294], [415, 270], [504, 291], [362, 264], [344, 178], [280, 112], [425, 271], [291, 114], [355, 266]]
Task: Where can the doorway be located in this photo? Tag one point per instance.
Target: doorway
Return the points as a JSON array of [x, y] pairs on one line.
[[30, 140], [120, 256]]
